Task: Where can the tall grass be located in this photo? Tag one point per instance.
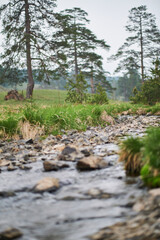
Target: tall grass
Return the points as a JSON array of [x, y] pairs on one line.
[[43, 111], [142, 156]]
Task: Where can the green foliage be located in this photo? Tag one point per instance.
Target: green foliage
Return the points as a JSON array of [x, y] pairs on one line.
[[152, 148], [77, 90], [144, 33], [100, 97], [150, 92], [79, 43], [9, 126], [131, 154], [142, 156], [55, 118], [33, 114], [150, 177]]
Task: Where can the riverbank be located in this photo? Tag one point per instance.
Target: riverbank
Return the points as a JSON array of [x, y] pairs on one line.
[[69, 186]]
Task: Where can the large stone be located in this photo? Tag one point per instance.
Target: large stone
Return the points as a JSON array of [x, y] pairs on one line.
[[54, 165], [4, 163], [91, 163], [155, 192], [68, 150], [11, 233], [47, 184]]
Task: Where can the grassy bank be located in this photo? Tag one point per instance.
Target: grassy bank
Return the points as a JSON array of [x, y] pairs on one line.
[[47, 113], [141, 156]]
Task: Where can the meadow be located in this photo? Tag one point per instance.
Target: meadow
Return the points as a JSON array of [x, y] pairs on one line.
[[48, 113]]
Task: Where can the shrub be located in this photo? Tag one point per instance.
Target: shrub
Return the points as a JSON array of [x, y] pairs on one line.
[[131, 154], [150, 176], [142, 156], [100, 97], [150, 92], [77, 90], [151, 150]]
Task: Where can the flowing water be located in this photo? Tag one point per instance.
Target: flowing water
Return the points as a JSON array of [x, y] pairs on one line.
[[86, 201]]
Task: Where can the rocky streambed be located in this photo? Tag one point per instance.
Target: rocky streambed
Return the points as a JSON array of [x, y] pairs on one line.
[[72, 186]]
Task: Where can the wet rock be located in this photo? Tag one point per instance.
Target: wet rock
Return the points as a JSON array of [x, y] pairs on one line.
[[30, 141], [22, 167], [94, 192], [70, 157], [11, 167], [68, 150], [70, 153], [38, 147], [144, 226], [4, 163], [138, 207], [7, 194], [155, 192], [11, 233], [47, 184], [97, 193], [54, 165], [86, 152], [91, 163]]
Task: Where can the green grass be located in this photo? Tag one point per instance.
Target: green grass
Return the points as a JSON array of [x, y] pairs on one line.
[[40, 97], [141, 156], [48, 109]]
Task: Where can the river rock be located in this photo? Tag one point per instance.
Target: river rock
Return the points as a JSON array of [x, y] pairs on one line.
[[91, 163], [54, 165], [4, 163], [155, 192], [47, 184], [144, 226], [68, 150], [11, 233], [11, 167]]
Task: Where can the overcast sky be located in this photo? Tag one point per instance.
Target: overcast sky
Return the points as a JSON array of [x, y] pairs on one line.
[[108, 19]]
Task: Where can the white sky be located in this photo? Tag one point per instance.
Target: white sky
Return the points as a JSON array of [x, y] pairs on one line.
[[108, 19]]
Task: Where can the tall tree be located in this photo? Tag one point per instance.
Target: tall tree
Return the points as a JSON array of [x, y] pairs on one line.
[[25, 25], [77, 40], [128, 82], [144, 42]]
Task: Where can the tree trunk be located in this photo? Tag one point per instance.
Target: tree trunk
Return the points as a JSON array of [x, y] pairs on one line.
[[92, 82], [141, 44], [30, 85], [75, 58], [75, 50]]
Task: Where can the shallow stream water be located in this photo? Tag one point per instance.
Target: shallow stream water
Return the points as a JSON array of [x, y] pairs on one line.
[[85, 202]]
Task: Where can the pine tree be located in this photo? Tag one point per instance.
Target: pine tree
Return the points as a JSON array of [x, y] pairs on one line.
[[25, 25], [78, 42], [144, 39]]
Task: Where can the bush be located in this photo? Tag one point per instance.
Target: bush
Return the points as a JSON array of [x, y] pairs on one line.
[[77, 90], [142, 156], [100, 97], [131, 154], [152, 148], [150, 92], [150, 176]]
